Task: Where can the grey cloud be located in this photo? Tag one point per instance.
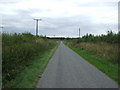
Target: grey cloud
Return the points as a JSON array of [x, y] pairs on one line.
[[59, 26], [97, 4], [67, 26]]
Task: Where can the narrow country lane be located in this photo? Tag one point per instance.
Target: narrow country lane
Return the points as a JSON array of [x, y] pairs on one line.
[[67, 69]]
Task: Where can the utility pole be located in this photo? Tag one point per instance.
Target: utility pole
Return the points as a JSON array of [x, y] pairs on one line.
[[79, 32], [37, 25]]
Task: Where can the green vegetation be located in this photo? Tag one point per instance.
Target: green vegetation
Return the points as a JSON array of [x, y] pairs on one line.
[[103, 50], [102, 54], [25, 56], [111, 38]]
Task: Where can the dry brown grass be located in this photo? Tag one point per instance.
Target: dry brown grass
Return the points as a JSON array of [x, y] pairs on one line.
[[104, 50]]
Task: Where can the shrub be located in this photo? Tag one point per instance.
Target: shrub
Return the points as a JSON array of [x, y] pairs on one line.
[[18, 50]]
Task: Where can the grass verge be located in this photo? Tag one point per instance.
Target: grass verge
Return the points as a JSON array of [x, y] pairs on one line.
[[108, 68], [29, 77]]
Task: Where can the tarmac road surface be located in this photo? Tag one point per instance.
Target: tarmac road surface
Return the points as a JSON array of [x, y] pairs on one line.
[[67, 69]]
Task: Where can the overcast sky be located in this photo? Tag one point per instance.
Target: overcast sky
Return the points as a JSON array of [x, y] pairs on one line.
[[60, 17]]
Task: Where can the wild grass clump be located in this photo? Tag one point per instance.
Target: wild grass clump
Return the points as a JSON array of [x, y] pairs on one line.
[[103, 50], [18, 50]]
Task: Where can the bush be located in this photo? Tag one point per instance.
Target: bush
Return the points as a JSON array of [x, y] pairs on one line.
[[18, 50]]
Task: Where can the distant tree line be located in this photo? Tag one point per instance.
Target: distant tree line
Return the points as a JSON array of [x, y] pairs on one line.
[[109, 38], [56, 38]]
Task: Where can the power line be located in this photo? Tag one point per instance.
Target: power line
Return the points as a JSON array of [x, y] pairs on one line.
[[37, 25]]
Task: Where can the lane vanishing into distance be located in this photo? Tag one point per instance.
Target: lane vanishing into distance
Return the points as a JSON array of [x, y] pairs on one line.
[[67, 69]]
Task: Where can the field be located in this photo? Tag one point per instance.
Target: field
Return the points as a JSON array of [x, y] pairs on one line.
[[103, 50], [21, 52]]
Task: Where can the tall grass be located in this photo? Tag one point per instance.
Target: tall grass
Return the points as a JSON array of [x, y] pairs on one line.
[[18, 50], [103, 50]]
